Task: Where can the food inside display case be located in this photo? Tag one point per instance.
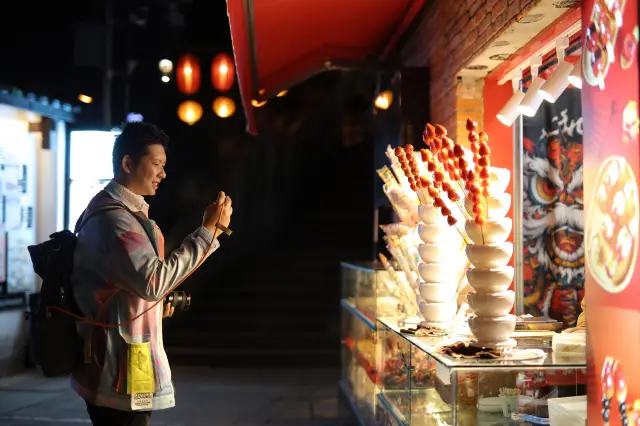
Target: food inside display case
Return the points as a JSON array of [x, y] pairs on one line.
[[470, 391]]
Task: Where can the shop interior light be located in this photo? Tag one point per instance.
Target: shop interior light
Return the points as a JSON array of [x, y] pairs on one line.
[[559, 80], [509, 112], [165, 78], [85, 99], [257, 104], [282, 93], [532, 99], [575, 78], [384, 100]]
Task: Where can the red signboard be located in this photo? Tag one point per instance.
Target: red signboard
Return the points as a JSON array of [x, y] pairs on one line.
[[612, 208]]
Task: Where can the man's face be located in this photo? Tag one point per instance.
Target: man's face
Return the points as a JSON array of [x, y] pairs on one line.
[[146, 174]]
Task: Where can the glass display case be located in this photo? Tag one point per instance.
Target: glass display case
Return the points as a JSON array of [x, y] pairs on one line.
[[369, 288], [422, 387], [366, 294], [360, 379]]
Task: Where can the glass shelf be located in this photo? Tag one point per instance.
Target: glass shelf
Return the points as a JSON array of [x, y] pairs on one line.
[[350, 308], [551, 361]]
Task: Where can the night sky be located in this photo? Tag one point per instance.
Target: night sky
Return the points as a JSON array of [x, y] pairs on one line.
[[44, 51]]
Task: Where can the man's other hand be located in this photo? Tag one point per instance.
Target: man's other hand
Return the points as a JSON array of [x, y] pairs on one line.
[[168, 310]]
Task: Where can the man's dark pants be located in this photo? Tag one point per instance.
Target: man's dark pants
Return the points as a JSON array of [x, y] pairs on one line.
[[103, 416]]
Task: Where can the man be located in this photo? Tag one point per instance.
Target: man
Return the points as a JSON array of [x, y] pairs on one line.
[[121, 276], [581, 325]]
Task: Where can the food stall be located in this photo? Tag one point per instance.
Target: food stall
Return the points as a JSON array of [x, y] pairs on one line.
[[518, 204]]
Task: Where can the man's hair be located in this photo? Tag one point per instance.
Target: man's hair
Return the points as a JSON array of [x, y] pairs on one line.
[[133, 140]]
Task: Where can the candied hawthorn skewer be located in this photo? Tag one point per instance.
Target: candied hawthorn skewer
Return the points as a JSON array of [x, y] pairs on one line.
[[405, 166], [413, 166], [475, 191], [446, 212], [435, 193], [484, 152], [445, 159]]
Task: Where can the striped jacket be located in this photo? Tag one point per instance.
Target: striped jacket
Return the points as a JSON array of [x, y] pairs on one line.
[[119, 272]]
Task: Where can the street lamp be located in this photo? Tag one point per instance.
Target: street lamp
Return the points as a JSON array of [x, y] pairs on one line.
[[165, 66]]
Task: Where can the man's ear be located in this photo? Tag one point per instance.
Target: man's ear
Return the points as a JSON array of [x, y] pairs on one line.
[[127, 164]]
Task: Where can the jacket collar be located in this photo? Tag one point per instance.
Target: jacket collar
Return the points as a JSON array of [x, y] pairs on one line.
[[134, 202]]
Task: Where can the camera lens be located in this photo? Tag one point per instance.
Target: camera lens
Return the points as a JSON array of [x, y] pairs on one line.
[[179, 300]]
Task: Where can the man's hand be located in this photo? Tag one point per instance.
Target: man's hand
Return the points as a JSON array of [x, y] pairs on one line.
[[575, 330], [218, 212], [168, 310]]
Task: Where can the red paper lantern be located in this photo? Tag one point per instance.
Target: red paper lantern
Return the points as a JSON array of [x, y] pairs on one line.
[[188, 74], [222, 72]]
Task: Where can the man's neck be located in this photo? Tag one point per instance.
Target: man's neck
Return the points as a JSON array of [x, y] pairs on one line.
[[125, 184], [137, 202]]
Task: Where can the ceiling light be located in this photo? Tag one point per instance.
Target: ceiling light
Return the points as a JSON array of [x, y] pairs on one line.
[[532, 99], [509, 112], [575, 78], [559, 80]]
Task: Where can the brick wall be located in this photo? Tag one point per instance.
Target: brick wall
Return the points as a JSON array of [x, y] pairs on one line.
[[449, 35]]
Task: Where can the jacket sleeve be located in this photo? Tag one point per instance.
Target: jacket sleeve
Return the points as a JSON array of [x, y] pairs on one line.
[[582, 318], [134, 265]]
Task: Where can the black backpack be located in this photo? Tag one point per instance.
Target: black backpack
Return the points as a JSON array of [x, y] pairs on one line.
[[55, 346]]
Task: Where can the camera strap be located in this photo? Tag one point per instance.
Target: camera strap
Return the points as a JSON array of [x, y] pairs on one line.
[[82, 221]]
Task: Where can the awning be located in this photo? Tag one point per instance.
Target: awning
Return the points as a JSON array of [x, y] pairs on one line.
[[280, 43]]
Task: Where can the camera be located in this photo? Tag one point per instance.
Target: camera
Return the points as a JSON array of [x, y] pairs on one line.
[[179, 300]]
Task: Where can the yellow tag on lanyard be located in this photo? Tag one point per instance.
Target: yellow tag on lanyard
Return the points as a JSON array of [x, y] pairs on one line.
[[140, 377]]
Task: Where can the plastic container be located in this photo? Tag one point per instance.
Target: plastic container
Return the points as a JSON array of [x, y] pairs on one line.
[[571, 344], [570, 411]]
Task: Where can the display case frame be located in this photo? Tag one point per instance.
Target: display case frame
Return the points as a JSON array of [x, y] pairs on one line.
[[358, 382]]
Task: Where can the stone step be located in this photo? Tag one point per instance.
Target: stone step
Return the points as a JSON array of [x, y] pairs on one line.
[[264, 358], [261, 306], [247, 340], [284, 323]]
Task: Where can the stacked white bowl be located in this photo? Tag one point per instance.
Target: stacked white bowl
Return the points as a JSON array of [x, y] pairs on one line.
[[441, 268], [490, 276]]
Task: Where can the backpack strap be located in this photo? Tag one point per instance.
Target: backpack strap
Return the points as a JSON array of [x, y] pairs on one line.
[[84, 218]]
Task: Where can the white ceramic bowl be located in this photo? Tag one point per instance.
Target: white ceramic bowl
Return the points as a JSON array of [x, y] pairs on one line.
[[489, 255], [491, 305], [438, 312], [437, 272], [431, 253], [428, 214], [494, 280], [499, 179], [434, 233], [492, 329], [494, 231], [498, 206], [437, 292]]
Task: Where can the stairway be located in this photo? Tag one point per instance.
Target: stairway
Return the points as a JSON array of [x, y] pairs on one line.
[[277, 306], [281, 309], [275, 299]]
